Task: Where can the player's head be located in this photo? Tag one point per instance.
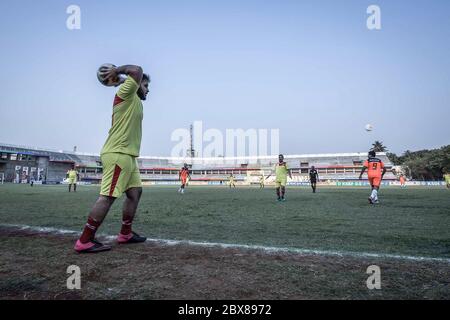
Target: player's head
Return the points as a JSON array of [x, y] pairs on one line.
[[143, 88], [280, 158], [185, 165], [372, 154], [312, 167]]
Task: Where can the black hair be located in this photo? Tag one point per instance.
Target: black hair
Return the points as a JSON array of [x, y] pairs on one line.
[[145, 76], [372, 153]]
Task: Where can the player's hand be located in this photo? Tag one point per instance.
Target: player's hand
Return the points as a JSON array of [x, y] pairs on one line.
[[109, 73]]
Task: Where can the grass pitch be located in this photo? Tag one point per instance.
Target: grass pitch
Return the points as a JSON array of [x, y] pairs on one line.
[[408, 222]]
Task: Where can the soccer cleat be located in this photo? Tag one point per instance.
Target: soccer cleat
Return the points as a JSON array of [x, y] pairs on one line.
[[370, 200], [133, 237], [283, 199], [92, 246]]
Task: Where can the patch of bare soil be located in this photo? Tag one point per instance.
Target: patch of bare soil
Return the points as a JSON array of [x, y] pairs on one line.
[[34, 266]]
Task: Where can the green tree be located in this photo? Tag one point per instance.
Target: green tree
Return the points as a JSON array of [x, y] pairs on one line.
[[378, 146], [425, 164], [394, 158]]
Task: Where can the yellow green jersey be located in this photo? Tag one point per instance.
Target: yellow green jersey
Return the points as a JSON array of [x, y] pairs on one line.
[[281, 171], [72, 174], [447, 178], [126, 129]]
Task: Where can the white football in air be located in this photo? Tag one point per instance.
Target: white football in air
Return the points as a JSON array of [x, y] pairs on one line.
[[369, 127]]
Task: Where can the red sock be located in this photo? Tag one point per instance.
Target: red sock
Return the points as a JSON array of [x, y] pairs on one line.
[[126, 225], [89, 230]]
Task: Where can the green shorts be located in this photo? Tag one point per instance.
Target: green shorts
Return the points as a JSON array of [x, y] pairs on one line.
[[281, 182], [120, 173], [72, 180]]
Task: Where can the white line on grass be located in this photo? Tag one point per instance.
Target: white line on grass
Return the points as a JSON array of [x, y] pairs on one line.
[[51, 230]]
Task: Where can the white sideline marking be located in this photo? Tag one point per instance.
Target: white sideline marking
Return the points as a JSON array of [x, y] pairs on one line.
[[298, 251]]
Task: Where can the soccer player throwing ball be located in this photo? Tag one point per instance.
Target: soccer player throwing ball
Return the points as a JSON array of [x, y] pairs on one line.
[[281, 172], [119, 158], [183, 175], [375, 171]]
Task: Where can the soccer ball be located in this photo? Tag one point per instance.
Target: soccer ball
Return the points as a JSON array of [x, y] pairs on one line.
[[369, 127], [101, 75]]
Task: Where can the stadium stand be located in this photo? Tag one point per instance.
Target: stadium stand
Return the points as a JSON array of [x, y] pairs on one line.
[[22, 164]]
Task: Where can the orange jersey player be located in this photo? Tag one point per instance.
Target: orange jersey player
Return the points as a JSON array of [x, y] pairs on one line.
[[184, 176], [402, 181], [375, 172]]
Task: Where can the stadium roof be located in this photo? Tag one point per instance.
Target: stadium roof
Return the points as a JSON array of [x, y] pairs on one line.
[[242, 158]]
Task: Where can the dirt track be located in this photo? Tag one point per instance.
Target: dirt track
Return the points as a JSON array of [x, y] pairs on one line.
[[33, 266]]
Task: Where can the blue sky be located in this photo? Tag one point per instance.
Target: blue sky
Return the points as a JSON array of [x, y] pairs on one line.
[[310, 68]]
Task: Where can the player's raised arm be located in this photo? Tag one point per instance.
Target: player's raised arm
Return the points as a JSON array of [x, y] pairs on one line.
[[133, 71]]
